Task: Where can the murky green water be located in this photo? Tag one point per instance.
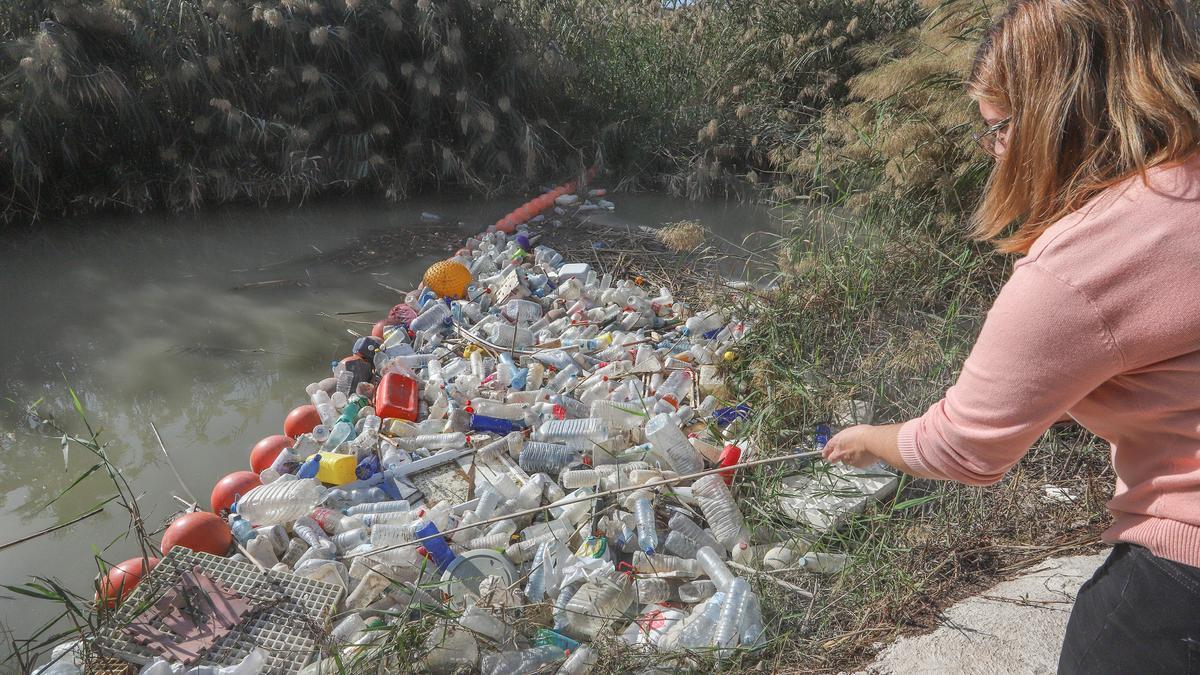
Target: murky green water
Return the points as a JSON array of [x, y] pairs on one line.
[[209, 326]]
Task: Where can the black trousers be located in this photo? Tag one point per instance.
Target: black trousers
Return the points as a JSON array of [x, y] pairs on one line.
[[1138, 614]]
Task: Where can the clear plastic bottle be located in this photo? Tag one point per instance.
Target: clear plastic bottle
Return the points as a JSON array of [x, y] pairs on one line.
[[549, 458], [579, 478], [620, 416], [685, 527], [676, 387], [307, 529], [600, 601], [728, 629], [652, 590], [530, 660], [580, 662], [280, 502], [588, 430], [432, 441], [351, 539], [698, 630], [721, 511], [398, 505], [498, 541], [435, 315], [696, 591], [665, 565], [714, 567], [668, 440], [647, 535], [823, 563]]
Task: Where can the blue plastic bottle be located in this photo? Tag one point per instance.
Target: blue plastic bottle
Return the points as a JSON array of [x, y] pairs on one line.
[[436, 547], [494, 425], [310, 468]]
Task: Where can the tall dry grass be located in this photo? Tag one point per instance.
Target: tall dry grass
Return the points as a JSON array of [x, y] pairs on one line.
[[134, 104]]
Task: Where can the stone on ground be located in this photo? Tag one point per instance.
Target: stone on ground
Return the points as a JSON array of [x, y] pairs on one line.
[[1014, 627]]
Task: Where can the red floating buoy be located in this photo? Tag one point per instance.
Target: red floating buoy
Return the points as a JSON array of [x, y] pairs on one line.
[[264, 452], [301, 421], [199, 531], [228, 489], [121, 579]]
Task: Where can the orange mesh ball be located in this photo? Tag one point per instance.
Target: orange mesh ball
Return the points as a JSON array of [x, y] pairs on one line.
[[448, 278]]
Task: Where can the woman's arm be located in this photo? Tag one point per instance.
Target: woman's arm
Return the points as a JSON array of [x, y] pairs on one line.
[[1043, 347]]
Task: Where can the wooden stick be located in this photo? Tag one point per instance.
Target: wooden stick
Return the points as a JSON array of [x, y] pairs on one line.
[[598, 495]]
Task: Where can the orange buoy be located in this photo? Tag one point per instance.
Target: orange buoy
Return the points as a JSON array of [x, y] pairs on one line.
[[377, 329], [228, 489], [199, 531], [301, 421], [121, 579], [448, 278], [264, 452], [507, 225]]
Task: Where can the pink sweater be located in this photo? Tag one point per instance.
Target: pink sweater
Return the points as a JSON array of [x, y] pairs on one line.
[[1101, 320]]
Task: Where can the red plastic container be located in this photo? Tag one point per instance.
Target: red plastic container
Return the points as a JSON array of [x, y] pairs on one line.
[[398, 396], [731, 455]]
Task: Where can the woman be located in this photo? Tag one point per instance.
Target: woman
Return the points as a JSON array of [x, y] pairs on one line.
[[1092, 110]]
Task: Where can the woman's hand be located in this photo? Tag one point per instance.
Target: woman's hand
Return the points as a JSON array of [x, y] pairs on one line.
[[853, 446]]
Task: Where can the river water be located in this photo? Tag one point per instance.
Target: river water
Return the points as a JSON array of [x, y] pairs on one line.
[[208, 326]]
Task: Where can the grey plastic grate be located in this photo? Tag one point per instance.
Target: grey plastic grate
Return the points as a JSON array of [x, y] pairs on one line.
[[293, 619]]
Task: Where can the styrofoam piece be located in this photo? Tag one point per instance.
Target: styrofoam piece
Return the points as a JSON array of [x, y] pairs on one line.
[[295, 612], [574, 271], [824, 499]]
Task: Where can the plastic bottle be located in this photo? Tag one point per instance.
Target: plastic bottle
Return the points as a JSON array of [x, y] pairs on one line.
[[537, 457], [599, 602], [721, 511], [728, 629], [643, 511], [280, 502], [619, 416], [334, 522], [652, 590], [435, 315], [351, 539], [685, 527], [668, 440], [578, 478], [580, 662], [665, 565], [698, 629], [714, 567], [588, 430], [696, 591], [433, 441], [823, 563], [242, 530], [524, 661]]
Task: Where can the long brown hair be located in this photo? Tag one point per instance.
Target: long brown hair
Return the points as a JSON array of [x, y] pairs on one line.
[[1098, 90]]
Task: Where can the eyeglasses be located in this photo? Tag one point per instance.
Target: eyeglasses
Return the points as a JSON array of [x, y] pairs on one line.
[[986, 139]]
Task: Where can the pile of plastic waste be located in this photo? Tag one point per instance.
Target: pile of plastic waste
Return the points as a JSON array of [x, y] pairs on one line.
[[509, 446]]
